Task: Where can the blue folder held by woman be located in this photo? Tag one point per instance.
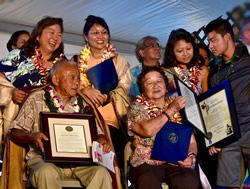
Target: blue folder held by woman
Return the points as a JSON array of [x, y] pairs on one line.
[[103, 76], [172, 142]]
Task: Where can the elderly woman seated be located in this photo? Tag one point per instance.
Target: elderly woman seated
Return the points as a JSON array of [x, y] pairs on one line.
[[146, 116]]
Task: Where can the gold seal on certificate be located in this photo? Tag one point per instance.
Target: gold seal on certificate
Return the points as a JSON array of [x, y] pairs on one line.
[[70, 137], [212, 113]]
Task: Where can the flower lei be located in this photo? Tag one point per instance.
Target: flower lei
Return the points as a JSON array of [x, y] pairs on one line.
[[84, 58], [38, 61], [192, 77], [154, 111], [54, 104]]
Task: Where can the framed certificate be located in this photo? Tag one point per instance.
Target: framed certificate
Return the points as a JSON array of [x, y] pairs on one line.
[[70, 137], [212, 113]]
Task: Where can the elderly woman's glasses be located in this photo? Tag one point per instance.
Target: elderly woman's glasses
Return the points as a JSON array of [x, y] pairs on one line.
[[99, 33]]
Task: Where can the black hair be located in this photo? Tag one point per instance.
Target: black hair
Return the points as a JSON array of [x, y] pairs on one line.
[[147, 69], [32, 43], [14, 37], [169, 56], [91, 20], [220, 26], [203, 46]]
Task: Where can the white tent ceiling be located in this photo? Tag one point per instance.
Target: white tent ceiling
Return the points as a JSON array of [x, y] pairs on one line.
[[129, 20]]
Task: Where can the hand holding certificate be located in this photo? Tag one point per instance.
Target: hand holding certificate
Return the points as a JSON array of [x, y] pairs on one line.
[[70, 137], [212, 113]]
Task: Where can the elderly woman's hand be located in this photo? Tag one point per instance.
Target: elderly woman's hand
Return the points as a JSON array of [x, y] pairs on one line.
[[188, 162], [95, 96], [178, 104]]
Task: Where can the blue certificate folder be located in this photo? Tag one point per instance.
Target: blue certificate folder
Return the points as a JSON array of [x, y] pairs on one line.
[[172, 142], [103, 76]]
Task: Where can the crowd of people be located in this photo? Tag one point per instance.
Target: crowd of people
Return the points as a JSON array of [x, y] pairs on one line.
[[37, 77]]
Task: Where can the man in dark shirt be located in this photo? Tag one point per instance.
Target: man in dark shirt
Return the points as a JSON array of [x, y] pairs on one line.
[[234, 66]]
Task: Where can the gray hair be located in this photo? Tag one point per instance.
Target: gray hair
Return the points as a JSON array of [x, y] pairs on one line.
[[141, 44], [60, 63]]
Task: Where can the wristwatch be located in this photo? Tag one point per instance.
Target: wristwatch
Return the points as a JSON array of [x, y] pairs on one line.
[[193, 156]]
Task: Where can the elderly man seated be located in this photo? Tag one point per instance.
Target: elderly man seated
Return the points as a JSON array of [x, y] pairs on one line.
[[25, 130]]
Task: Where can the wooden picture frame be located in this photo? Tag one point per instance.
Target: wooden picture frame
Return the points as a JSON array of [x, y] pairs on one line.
[[70, 137]]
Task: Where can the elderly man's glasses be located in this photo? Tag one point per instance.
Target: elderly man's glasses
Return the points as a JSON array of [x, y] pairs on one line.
[[153, 45], [99, 33]]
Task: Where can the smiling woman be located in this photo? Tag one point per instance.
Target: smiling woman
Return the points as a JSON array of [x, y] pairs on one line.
[[146, 117], [112, 104], [28, 68]]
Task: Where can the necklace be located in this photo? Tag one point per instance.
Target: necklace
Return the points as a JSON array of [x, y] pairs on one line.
[[84, 58], [54, 103], [38, 61], [220, 64], [192, 79], [154, 111]]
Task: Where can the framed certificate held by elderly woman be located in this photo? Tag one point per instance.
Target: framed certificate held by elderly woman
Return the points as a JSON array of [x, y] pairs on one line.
[[70, 137], [212, 113]]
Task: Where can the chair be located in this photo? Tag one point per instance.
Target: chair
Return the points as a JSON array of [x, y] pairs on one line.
[[14, 167], [127, 154]]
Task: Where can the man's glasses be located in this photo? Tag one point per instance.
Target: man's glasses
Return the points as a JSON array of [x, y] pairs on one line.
[[153, 45]]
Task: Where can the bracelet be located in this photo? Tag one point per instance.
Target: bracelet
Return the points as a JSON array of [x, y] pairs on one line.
[[166, 115], [192, 154]]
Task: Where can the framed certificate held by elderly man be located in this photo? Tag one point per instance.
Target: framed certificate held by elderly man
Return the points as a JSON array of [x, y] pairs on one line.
[[212, 113], [70, 137]]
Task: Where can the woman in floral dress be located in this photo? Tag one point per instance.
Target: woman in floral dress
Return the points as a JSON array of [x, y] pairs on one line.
[[146, 117]]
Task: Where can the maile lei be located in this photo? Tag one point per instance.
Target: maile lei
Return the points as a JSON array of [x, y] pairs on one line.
[[38, 61], [193, 77], [55, 105], [84, 58], [154, 111]]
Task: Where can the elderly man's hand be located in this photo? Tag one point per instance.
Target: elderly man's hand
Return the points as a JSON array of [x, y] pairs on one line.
[[95, 96], [18, 95], [37, 139], [106, 145], [213, 150]]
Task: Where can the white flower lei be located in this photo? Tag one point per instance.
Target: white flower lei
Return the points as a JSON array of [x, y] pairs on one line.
[[58, 104]]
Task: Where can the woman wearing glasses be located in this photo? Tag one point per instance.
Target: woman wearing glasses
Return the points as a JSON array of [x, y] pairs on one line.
[[97, 50]]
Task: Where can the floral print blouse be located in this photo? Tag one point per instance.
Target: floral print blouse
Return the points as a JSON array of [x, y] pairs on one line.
[[143, 146], [20, 70], [144, 109]]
